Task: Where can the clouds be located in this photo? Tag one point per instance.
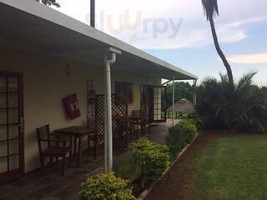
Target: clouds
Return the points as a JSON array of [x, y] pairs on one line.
[[177, 31], [236, 30], [194, 31], [158, 25], [260, 58]]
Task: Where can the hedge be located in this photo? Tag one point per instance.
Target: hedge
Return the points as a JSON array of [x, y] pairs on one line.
[[154, 159], [179, 136]]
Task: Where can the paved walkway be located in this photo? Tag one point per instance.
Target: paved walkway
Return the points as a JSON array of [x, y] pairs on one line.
[[158, 133], [53, 186]]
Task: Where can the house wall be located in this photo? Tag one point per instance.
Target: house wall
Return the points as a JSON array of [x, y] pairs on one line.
[[46, 82]]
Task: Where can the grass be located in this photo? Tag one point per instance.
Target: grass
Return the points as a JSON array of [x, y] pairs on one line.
[[230, 168]]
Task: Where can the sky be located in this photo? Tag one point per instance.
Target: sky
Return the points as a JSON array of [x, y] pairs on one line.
[[177, 32]]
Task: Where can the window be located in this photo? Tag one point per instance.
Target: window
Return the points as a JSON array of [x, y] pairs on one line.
[[125, 90]]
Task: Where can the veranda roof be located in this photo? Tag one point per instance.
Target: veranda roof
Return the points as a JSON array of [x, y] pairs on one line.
[[31, 26]]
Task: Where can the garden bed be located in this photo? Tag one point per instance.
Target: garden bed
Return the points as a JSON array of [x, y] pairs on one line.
[[142, 167], [149, 188]]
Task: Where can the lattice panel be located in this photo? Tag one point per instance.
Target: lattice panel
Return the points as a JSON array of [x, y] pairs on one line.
[[90, 103], [119, 128], [100, 115]]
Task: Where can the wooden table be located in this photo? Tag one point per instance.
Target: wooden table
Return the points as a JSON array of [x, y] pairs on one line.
[[77, 132]]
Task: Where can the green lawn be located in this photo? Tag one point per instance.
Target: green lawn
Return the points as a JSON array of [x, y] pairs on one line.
[[232, 168]]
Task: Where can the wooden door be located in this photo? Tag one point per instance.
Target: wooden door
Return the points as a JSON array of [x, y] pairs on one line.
[[11, 126], [147, 101]]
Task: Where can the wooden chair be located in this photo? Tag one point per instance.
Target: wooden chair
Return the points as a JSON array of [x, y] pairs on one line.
[[137, 122], [141, 120], [122, 129], [53, 147], [146, 122], [96, 138]]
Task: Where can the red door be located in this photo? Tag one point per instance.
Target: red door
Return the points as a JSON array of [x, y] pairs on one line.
[[11, 126]]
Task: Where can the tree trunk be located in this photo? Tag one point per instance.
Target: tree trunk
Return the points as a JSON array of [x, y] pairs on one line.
[[219, 51]]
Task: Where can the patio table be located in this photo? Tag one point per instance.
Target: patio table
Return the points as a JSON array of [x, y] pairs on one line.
[[78, 132]]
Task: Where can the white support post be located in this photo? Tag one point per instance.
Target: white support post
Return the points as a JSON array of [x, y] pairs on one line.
[[108, 110], [106, 129], [173, 100], [108, 116]]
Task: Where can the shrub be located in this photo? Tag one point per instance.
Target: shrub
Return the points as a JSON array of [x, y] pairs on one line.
[[153, 157], [175, 141], [106, 187], [127, 167], [189, 130], [195, 119], [180, 135]]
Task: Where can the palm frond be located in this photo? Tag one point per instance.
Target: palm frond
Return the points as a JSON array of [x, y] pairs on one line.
[[246, 80], [49, 2], [210, 8]]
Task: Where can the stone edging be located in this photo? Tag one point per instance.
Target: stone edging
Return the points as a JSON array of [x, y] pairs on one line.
[[146, 191]]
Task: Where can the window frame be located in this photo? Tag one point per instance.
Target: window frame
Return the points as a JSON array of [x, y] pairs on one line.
[[125, 88]]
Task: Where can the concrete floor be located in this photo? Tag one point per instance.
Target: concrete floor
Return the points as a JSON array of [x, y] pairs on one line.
[[52, 186], [159, 131]]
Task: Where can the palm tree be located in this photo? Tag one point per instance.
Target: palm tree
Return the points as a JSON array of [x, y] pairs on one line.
[[243, 108], [211, 9], [251, 103]]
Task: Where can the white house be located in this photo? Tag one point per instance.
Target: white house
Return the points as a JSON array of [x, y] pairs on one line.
[[46, 56]]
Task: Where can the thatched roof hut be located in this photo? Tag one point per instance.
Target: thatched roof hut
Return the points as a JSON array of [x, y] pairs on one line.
[[183, 105]]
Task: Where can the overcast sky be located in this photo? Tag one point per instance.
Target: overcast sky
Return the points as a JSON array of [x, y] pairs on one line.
[[177, 31]]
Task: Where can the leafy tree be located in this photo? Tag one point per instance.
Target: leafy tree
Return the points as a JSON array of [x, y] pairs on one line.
[[49, 2], [182, 90], [210, 10]]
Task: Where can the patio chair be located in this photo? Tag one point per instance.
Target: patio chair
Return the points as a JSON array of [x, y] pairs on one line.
[[146, 123], [122, 129], [97, 139], [141, 120], [55, 148], [137, 122]]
